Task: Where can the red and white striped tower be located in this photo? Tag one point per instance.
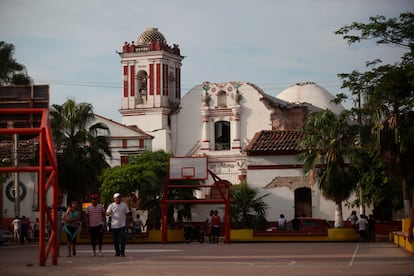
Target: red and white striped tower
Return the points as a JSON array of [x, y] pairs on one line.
[[151, 85]]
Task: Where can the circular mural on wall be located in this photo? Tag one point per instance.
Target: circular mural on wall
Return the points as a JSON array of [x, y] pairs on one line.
[[10, 191]]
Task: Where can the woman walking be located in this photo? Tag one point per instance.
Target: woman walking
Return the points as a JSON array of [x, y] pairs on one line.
[[71, 219]]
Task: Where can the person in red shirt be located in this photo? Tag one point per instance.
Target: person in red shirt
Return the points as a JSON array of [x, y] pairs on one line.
[[215, 225]]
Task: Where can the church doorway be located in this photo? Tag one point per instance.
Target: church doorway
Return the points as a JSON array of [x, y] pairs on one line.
[[303, 202]]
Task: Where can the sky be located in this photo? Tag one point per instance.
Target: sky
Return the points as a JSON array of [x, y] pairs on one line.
[[72, 45]]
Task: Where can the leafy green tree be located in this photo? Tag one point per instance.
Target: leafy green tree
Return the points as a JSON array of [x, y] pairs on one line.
[[388, 95], [247, 208], [379, 188], [328, 142], [11, 72], [147, 174], [80, 149]]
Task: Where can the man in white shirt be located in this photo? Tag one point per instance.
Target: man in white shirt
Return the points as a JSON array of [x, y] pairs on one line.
[[118, 211], [362, 224]]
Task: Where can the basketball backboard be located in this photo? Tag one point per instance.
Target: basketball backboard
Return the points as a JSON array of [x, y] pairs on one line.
[[194, 168]]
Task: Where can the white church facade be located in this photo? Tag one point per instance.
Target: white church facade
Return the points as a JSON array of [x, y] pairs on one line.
[[223, 122], [244, 132]]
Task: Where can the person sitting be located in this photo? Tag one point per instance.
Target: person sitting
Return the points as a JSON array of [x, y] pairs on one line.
[[138, 224], [296, 223], [281, 223]]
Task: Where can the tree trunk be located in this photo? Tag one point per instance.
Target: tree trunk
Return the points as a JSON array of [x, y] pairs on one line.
[[339, 221]]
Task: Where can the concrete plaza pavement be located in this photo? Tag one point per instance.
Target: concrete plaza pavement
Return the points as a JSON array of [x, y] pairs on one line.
[[326, 258]]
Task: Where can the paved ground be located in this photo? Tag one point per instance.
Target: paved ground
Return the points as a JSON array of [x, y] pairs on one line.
[[218, 259]]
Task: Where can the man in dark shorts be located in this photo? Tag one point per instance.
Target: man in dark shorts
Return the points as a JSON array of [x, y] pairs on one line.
[[95, 216]]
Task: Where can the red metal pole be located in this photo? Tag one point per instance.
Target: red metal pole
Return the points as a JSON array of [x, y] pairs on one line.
[[46, 152], [227, 223], [42, 202], [164, 213]]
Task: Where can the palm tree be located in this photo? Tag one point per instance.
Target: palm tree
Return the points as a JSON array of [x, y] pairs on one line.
[[391, 105], [328, 141], [80, 149], [247, 209]]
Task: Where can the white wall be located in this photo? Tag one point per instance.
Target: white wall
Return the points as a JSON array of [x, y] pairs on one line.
[[29, 205]]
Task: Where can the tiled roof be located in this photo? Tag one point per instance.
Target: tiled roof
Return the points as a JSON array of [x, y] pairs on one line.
[[26, 150], [270, 142]]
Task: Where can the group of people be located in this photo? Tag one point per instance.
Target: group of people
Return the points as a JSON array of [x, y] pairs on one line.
[[69, 222], [95, 223], [25, 230], [120, 219], [282, 223], [365, 226], [213, 226]]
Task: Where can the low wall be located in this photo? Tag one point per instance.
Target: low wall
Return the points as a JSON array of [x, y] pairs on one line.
[[400, 238], [334, 234], [240, 235]]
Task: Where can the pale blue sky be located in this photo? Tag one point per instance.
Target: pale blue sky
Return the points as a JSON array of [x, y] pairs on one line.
[[72, 44]]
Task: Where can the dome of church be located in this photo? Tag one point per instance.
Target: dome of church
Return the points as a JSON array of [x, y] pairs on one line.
[[310, 92], [150, 35]]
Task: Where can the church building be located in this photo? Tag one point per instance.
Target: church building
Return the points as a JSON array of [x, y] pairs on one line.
[[244, 132]]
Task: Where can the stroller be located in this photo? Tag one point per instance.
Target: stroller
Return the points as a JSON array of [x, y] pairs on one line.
[[192, 232]]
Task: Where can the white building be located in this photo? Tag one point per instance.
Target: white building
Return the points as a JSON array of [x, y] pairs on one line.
[[223, 121], [244, 132], [124, 141]]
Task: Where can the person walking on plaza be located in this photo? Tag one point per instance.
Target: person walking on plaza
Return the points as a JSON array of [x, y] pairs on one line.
[[362, 228], [60, 213], [72, 218], [24, 230], [209, 226], [95, 216], [16, 229], [118, 211], [36, 230], [353, 220], [215, 223]]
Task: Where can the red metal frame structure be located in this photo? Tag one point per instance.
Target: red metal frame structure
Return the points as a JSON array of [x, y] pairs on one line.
[[47, 170], [222, 186]]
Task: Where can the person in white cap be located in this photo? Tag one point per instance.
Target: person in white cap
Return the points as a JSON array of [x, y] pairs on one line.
[[118, 211]]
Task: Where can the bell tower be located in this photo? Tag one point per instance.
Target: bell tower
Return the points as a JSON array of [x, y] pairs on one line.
[[151, 71]]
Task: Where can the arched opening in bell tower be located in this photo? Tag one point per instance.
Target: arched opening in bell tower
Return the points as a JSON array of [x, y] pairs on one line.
[[141, 93]]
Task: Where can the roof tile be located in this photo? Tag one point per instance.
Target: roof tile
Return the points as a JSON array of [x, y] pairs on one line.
[[275, 141]]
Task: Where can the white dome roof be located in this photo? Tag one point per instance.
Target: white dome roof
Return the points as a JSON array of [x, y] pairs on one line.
[[310, 92]]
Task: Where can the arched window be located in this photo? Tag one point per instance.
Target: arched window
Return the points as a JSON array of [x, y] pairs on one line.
[[303, 202], [222, 135]]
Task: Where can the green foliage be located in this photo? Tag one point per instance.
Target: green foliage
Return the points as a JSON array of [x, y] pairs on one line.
[[328, 142], [11, 72], [386, 94], [80, 151], [247, 209], [147, 174], [395, 31]]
